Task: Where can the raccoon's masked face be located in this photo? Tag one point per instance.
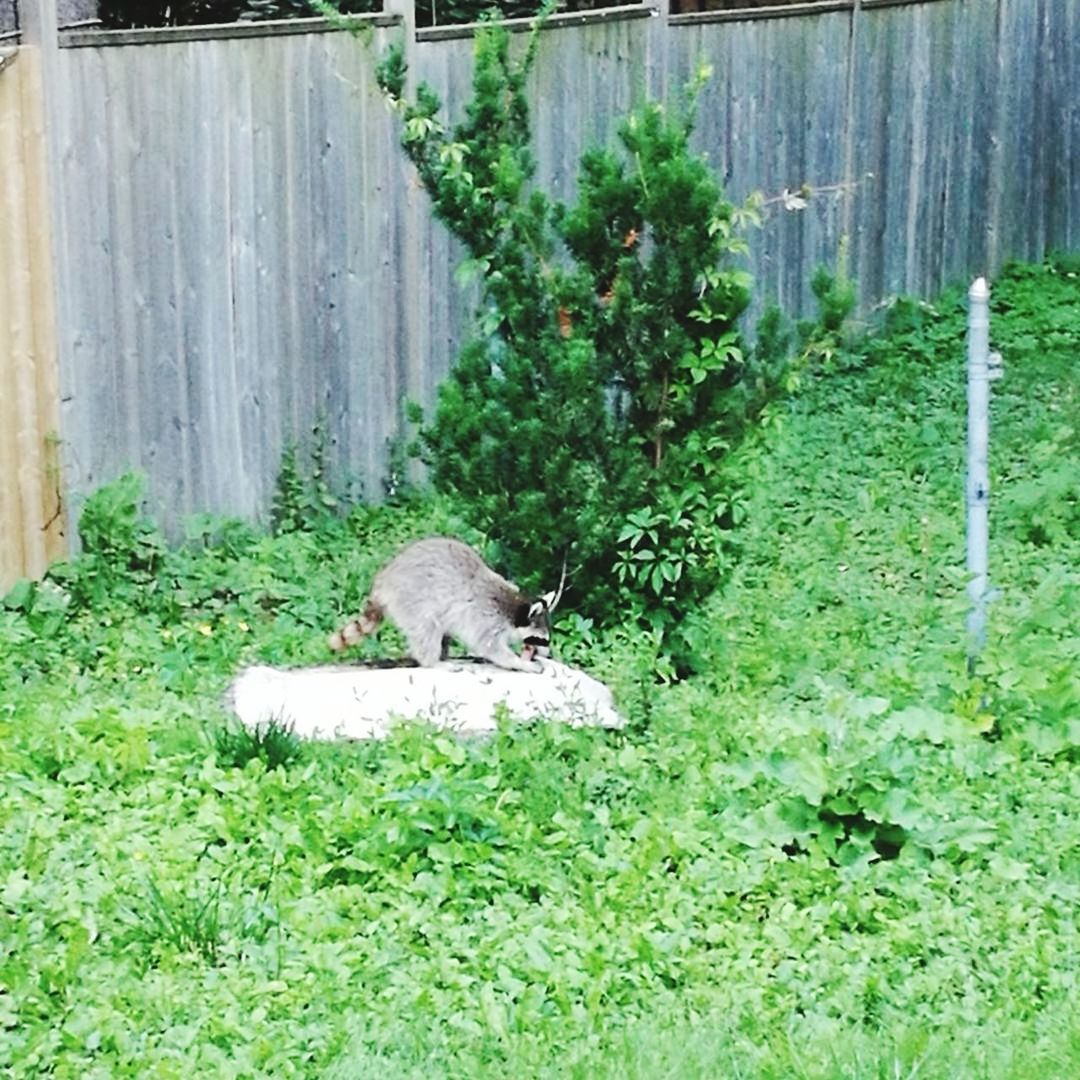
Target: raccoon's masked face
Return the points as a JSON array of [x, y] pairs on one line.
[[534, 627]]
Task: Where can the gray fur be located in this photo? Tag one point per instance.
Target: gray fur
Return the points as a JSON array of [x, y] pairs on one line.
[[439, 588]]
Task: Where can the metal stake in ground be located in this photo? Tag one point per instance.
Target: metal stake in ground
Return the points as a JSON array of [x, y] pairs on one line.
[[982, 367]]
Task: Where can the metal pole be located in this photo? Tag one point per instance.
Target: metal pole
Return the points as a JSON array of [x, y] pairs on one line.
[[978, 473]]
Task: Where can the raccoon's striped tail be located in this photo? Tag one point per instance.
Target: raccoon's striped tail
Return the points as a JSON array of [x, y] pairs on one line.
[[364, 624]]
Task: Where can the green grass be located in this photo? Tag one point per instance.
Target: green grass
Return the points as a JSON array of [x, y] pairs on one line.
[[273, 742], [829, 854]]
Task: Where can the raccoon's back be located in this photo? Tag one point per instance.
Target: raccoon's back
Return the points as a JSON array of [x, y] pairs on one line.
[[439, 572]]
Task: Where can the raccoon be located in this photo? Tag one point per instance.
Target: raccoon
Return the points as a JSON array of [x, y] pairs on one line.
[[439, 588]]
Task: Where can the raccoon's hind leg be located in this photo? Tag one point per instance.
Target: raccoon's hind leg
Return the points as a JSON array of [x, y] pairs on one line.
[[426, 643], [365, 623]]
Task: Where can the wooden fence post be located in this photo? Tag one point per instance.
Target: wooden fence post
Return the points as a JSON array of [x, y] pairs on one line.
[[407, 10], [32, 520]]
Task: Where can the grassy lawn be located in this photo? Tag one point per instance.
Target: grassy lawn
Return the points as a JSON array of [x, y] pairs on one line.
[[829, 853]]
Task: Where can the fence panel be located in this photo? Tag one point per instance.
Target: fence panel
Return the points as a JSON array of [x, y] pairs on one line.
[[229, 269], [773, 118], [31, 521], [1037, 114], [589, 77], [921, 132]]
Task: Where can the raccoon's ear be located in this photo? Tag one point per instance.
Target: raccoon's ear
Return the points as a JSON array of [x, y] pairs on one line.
[[548, 600], [538, 607], [551, 599]]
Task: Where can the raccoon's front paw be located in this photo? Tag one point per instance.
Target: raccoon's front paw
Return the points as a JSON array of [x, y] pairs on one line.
[[536, 655], [513, 662]]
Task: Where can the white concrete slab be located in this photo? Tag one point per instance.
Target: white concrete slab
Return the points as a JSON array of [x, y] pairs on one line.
[[364, 702]]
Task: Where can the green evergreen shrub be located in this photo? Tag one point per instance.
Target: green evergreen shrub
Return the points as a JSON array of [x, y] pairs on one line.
[[608, 379]]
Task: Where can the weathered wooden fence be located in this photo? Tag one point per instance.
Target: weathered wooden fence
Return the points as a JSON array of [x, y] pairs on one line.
[[241, 248], [31, 521]]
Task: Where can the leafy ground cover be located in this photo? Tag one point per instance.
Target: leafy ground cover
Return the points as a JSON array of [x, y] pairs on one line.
[[831, 853]]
